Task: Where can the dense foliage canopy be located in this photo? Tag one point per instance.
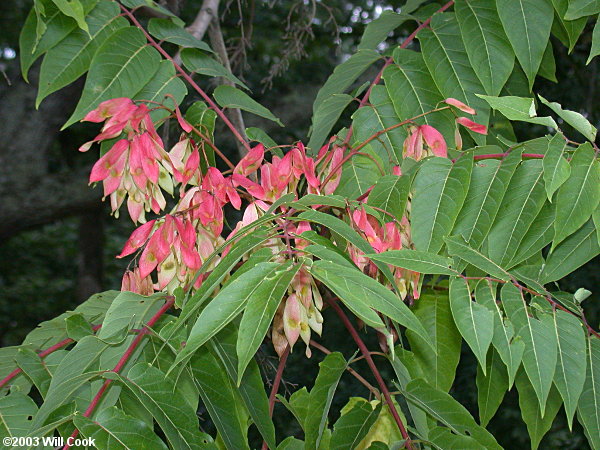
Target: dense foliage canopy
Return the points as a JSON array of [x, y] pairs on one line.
[[411, 206]]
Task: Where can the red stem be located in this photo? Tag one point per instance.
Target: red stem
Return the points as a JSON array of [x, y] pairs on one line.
[[189, 79], [121, 363], [42, 354], [276, 383], [365, 351]]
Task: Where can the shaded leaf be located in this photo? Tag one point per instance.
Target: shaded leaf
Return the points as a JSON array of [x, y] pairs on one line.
[[112, 428], [540, 355], [360, 293], [458, 247], [321, 396], [537, 424], [166, 30], [228, 303], [527, 24], [487, 47], [556, 168], [571, 363], [474, 321], [509, 347], [579, 196], [258, 315], [571, 253], [120, 68], [588, 409], [434, 312], [444, 408], [230, 97], [440, 188], [491, 387], [71, 58], [199, 62], [422, 262], [325, 117]]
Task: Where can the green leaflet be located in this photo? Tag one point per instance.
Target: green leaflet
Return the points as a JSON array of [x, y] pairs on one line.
[[433, 310], [359, 173], [120, 68], [422, 262], [523, 201], [173, 414], [571, 363], [78, 367], [556, 168], [588, 409], [474, 321], [489, 183], [379, 29], [518, 108], [258, 315], [15, 412], [440, 188], [357, 418], [344, 75], [165, 82], [449, 66], [390, 193], [346, 232], [199, 62], [458, 247], [378, 115], [595, 50], [540, 354], [74, 9], [112, 428], [251, 389], [527, 24], [78, 327], [221, 399], [128, 310], [228, 303], [581, 8], [487, 47], [35, 369], [55, 26], [579, 196], [445, 409], [572, 253], [325, 117], [166, 30], [576, 120], [568, 31], [361, 293], [413, 92], [491, 387], [230, 97], [509, 347], [321, 396], [548, 65], [71, 57], [537, 424], [539, 234]]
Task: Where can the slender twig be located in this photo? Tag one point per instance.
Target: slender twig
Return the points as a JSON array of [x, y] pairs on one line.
[[356, 375], [121, 363], [365, 351], [188, 78], [42, 354], [276, 383]]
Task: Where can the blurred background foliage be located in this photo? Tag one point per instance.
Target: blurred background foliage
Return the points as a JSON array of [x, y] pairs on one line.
[[284, 51]]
